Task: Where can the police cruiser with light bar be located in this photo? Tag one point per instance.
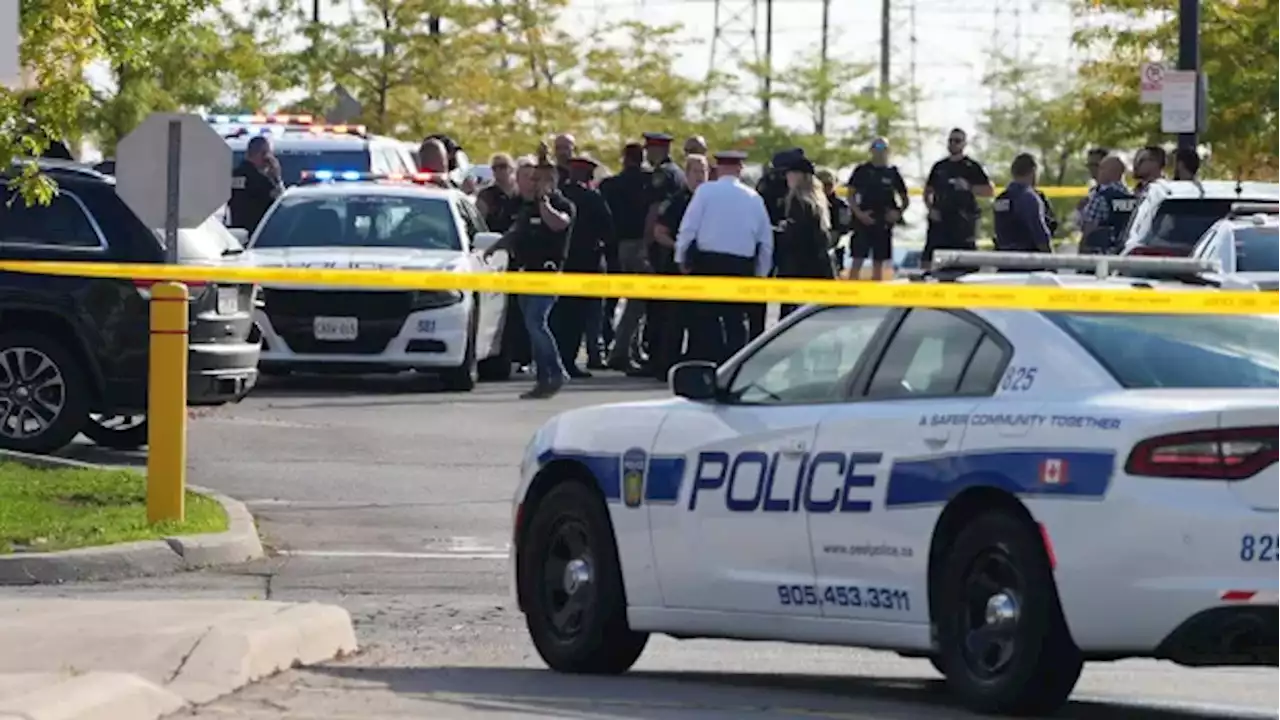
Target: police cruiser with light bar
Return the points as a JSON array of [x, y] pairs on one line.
[[358, 220], [1008, 493]]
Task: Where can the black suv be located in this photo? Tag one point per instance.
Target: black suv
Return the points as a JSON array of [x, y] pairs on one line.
[[74, 350]]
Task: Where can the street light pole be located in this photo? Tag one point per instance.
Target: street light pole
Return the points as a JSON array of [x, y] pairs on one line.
[[1189, 59]]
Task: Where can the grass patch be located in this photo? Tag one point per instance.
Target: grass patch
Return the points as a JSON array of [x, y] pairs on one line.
[[47, 510]]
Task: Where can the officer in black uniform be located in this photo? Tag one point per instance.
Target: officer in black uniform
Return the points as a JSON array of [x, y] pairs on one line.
[[255, 185], [1019, 211], [670, 338], [627, 194], [500, 202], [1106, 212], [878, 198], [955, 182], [665, 182], [591, 241]]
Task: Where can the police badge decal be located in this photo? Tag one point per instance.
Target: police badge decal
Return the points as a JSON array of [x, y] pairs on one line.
[[634, 462]]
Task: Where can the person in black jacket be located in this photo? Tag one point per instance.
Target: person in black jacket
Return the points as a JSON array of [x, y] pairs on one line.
[[805, 228], [539, 242], [628, 194], [255, 185], [591, 244]]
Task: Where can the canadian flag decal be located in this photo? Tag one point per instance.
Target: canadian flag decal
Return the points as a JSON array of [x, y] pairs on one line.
[[1053, 471]]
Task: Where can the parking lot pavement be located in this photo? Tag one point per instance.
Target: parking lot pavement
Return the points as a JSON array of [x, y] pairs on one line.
[[393, 500]]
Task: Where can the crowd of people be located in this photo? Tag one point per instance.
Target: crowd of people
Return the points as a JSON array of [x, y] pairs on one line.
[[699, 217]]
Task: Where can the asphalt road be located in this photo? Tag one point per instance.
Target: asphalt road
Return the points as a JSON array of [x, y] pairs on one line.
[[393, 500]]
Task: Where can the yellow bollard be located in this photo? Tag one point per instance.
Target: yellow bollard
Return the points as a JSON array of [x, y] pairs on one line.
[[167, 404]]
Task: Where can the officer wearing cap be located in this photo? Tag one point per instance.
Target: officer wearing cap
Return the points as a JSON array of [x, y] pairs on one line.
[[591, 240], [878, 197], [668, 346], [1019, 213], [726, 232]]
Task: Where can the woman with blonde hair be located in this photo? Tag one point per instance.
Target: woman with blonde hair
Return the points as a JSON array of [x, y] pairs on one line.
[[806, 228]]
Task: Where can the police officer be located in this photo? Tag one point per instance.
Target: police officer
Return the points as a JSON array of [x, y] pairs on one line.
[[1019, 212], [590, 241], [667, 180], [564, 147], [1105, 215], [498, 203], [669, 341], [725, 231], [773, 189], [255, 185], [878, 197], [539, 242], [627, 194], [950, 194], [433, 158]]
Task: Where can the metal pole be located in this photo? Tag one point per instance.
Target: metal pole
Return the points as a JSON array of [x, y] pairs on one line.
[[768, 61], [171, 193], [821, 129], [885, 7], [315, 12], [1189, 57]]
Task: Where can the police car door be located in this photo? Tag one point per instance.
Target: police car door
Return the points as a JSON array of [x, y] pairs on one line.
[[736, 537], [895, 446]]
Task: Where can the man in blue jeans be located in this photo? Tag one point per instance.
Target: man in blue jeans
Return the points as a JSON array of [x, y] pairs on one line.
[[538, 241]]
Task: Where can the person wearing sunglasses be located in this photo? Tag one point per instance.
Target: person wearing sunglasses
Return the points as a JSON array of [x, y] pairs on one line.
[[955, 182]]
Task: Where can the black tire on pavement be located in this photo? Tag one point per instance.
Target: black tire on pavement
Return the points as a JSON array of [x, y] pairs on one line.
[[116, 437], [578, 621], [464, 377], [62, 381], [1004, 645]]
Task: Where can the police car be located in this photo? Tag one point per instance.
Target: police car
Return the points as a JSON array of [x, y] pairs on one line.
[[1008, 493], [1247, 243], [301, 145], [363, 221]]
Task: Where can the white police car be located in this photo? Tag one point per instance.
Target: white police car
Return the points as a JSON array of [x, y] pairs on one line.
[[357, 220], [302, 145], [1008, 493]]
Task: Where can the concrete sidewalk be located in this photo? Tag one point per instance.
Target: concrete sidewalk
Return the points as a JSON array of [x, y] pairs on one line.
[[140, 660]]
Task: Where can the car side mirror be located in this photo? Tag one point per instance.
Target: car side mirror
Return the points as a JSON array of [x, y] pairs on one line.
[[483, 241], [694, 380], [240, 234]]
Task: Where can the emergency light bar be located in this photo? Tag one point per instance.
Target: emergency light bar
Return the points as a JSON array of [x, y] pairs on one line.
[[1254, 208], [1099, 265], [323, 176], [259, 119]]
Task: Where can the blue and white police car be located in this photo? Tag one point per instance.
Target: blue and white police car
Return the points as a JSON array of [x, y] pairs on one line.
[[365, 221], [1008, 493]]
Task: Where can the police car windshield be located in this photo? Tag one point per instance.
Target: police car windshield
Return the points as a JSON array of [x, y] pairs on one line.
[[1256, 249], [1184, 222], [1180, 351], [293, 162], [420, 223]]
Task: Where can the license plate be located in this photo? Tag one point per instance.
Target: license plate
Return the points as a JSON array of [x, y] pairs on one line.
[[426, 326], [228, 301], [336, 328]]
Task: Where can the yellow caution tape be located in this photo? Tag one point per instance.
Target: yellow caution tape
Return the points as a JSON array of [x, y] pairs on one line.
[[694, 287]]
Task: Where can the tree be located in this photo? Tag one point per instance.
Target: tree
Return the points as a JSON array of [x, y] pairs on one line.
[[59, 39], [1036, 110], [1237, 45]]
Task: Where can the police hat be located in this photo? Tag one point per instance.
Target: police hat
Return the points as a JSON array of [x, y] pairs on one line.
[[784, 158], [657, 138], [799, 164], [730, 157]]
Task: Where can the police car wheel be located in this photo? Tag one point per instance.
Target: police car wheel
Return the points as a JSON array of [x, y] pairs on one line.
[[1004, 644], [571, 579], [464, 377]]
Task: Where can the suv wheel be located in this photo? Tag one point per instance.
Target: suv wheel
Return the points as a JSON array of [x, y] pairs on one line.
[[463, 378], [44, 399], [1004, 646], [118, 432]]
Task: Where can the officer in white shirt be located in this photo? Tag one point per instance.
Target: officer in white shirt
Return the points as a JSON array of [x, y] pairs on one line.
[[726, 232]]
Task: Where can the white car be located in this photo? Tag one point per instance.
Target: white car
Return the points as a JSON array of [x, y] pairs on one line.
[[1247, 244], [1008, 493], [352, 220]]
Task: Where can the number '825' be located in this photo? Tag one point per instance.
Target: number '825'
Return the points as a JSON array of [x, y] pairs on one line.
[[1259, 548], [1018, 379]]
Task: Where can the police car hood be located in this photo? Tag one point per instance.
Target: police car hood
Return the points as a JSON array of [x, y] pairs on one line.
[[358, 258]]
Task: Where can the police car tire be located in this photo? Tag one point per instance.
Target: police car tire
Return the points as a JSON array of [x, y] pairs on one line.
[[75, 409], [463, 378], [606, 645], [1045, 663]]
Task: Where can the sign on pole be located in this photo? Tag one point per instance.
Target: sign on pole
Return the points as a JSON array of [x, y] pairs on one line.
[[173, 171], [1152, 81], [10, 65], [1178, 111]]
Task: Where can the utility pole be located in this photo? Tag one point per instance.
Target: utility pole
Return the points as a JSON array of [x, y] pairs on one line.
[[885, 8], [821, 127], [1189, 59], [315, 11], [768, 63]]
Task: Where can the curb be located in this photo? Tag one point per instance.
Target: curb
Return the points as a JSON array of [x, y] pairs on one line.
[[90, 695], [239, 544]]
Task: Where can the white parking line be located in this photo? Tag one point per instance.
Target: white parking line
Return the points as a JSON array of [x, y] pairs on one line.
[[389, 555]]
